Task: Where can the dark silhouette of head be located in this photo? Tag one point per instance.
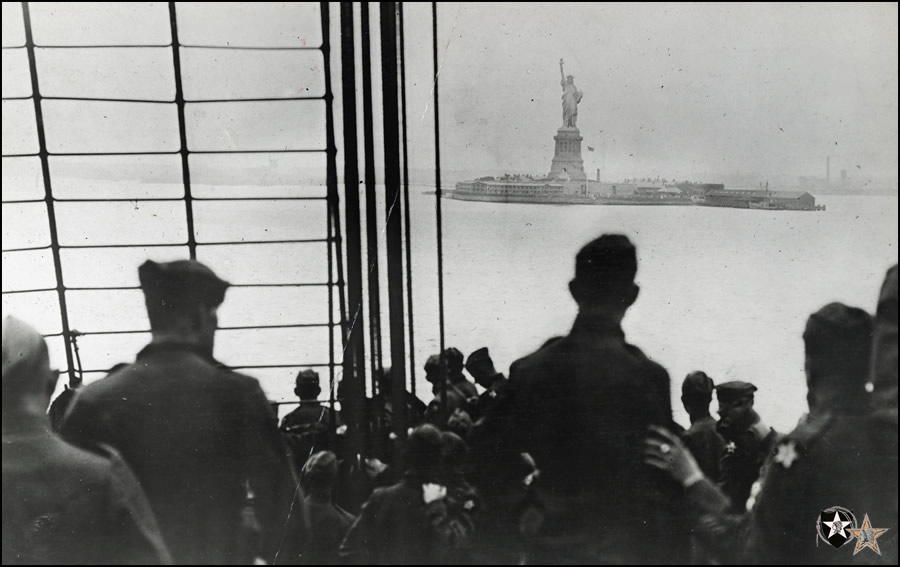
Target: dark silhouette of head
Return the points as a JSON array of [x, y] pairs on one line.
[[435, 369], [481, 367], [696, 394], [453, 357], [736, 405], [306, 385], [423, 452], [460, 423], [28, 381], [182, 298], [453, 457], [320, 474], [838, 342], [604, 276]]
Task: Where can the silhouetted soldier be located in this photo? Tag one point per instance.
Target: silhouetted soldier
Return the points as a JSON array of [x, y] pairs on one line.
[[415, 408], [325, 523], [62, 505], [462, 500], [411, 522], [701, 438], [884, 380], [827, 460], [199, 437], [305, 429], [454, 360], [481, 367], [884, 354], [437, 375], [581, 406], [748, 441]]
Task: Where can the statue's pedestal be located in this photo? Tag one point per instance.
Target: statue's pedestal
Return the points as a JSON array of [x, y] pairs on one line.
[[567, 162]]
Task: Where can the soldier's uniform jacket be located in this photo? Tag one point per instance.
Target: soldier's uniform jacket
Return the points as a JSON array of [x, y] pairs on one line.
[[828, 460], [397, 527], [741, 462], [456, 398], [325, 524], [196, 435], [305, 431], [307, 418], [706, 445], [581, 407], [490, 398], [466, 388], [64, 505]]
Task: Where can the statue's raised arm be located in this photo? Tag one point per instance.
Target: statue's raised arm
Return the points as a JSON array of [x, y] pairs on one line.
[[562, 75]]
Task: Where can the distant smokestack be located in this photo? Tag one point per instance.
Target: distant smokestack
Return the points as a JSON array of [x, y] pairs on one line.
[[598, 174], [827, 170]]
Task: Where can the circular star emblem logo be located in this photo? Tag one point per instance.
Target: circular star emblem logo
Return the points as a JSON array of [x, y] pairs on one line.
[[834, 525]]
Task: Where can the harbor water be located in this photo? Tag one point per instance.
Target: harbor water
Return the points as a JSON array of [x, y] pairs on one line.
[[723, 290]]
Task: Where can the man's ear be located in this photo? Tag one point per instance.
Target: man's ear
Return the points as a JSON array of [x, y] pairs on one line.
[[577, 291], [633, 294]]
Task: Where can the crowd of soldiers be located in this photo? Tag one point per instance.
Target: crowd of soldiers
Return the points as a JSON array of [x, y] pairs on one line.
[[575, 458]]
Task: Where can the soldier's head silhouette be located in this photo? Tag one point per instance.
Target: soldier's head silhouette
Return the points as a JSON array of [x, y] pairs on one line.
[[182, 299], [306, 385], [736, 404], [838, 342], [696, 393], [28, 381], [604, 276]]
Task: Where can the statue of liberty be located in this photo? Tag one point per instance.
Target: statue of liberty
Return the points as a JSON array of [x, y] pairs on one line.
[[570, 98]]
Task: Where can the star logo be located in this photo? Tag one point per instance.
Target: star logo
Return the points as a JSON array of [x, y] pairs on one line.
[[787, 454], [835, 525], [867, 536], [730, 447]]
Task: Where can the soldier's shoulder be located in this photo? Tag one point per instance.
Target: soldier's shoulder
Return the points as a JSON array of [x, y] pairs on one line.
[[91, 463], [650, 365], [237, 379], [551, 352], [801, 443], [705, 428], [390, 493], [109, 385], [809, 431]]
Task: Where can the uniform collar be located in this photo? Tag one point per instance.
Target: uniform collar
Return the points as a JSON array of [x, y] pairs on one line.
[[172, 346], [498, 380], [597, 326]]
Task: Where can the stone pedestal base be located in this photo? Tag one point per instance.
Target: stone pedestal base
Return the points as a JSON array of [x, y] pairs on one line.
[[567, 162]]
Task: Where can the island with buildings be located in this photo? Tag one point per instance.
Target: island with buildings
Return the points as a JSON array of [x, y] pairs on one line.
[[568, 184]]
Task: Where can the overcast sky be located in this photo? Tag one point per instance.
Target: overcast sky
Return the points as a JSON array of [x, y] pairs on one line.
[[671, 89], [683, 90]]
